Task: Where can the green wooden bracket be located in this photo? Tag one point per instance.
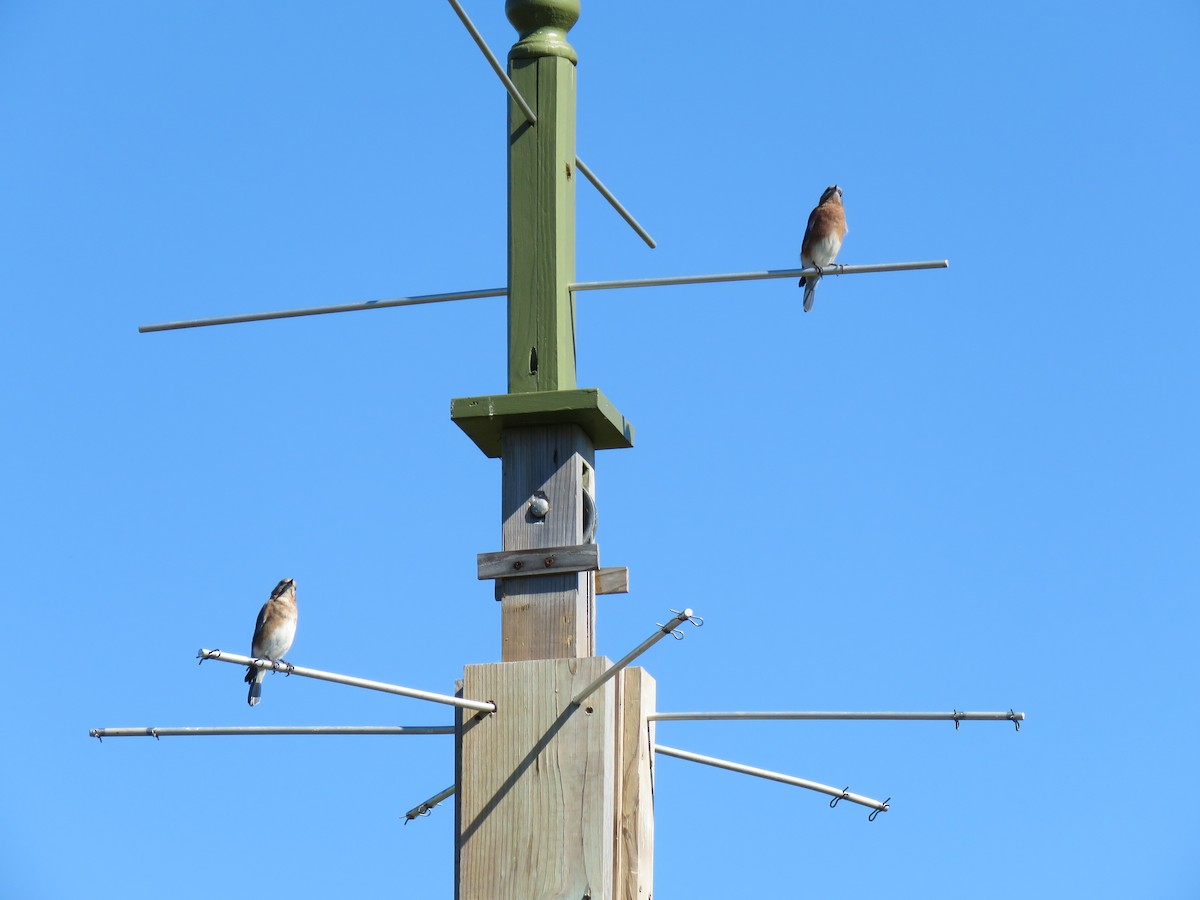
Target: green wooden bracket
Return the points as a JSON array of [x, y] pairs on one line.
[[484, 418]]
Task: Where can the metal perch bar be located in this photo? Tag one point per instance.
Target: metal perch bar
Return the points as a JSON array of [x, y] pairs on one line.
[[239, 660], [773, 776], [418, 300], [531, 118], [270, 729], [662, 632], [577, 286], [422, 808], [615, 203], [526, 110], [955, 715], [834, 269]]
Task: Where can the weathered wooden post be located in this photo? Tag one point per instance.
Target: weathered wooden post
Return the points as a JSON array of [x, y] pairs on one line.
[[553, 797]]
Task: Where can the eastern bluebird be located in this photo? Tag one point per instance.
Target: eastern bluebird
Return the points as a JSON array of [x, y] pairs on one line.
[[273, 634], [822, 239]]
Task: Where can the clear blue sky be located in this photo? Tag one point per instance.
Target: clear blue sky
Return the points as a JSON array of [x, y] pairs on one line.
[[971, 488]]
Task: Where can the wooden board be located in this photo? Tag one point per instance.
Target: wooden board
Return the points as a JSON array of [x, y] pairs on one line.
[[543, 561], [484, 419], [633, 877], [612, 580], [536, 783], [546, 616]]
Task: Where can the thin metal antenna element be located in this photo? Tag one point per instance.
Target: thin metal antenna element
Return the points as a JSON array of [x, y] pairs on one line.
[[417, 300], [576, 286], [239, 660], [1009, 716], [531, 118], [839, 793], [835, 269], [663, 630], [526, 109], [206, 731], [422, 809], [615, 203]]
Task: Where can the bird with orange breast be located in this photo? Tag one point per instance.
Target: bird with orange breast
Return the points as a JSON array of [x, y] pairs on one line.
[[274, 632], [822, 239]]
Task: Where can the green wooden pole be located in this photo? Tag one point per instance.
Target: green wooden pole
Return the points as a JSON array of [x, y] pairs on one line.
[[541, 247], [541, 199]]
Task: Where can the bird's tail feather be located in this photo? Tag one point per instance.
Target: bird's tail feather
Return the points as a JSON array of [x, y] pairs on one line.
[[810, 290], [255, 676]]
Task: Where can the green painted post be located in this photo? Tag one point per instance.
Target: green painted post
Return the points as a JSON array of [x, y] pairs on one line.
[[541, 247], [541, 198]]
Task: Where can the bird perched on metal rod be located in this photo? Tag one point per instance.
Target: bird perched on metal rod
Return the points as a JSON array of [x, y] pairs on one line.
[[822, 239], [273, 634]]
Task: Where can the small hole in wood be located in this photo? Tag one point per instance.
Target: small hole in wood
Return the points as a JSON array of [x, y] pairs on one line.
[[533, 360], [589, 710]]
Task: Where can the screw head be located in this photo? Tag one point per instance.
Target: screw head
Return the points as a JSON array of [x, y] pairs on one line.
[[539, 506]]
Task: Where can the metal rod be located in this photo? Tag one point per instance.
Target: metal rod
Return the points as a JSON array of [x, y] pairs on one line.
[[904, 716], [577, 286], [614, 202], [835, 269], [526, 110], [773, 776], [422, 808], [531, 118], [662, 632], [239, 660], [321, 310], [270, 729]]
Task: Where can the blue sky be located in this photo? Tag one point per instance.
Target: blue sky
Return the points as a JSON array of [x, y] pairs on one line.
[[971, 488]]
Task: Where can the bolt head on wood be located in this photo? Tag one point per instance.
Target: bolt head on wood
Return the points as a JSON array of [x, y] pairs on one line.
[[543, 26], [539, 506]]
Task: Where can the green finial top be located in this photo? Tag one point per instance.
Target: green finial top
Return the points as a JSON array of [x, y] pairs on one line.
[[543, 26]]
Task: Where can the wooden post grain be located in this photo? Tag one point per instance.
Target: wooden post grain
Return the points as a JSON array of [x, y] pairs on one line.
[[536, 783], [546, 616], [634, 858]]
